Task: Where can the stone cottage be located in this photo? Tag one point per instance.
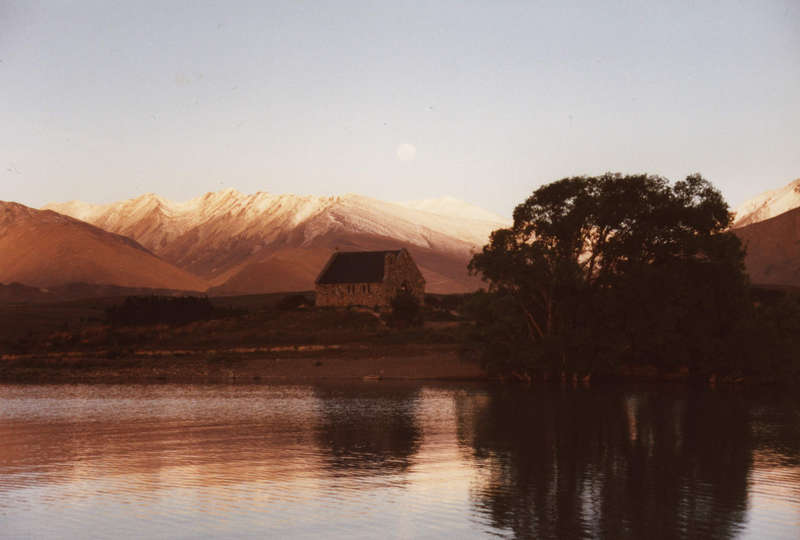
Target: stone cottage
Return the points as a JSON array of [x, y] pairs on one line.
[[368, 278]]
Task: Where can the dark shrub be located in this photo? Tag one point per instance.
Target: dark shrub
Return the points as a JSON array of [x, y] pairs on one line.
[[405, 310], [432, 301], [150, 310], [293, 301]]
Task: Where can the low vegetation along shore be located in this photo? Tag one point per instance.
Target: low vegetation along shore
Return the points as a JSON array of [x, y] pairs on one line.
[[277, 338], [252, 338]]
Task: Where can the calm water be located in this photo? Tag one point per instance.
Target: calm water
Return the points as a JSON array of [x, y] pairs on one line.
[[385, 460]]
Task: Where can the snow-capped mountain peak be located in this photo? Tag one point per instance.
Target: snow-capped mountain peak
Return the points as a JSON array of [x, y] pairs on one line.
[[221, 235]]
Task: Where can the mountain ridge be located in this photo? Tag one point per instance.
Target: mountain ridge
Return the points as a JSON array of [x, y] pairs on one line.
[[229, 238], [768, 204]]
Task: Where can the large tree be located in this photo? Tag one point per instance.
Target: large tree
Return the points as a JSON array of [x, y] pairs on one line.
[[608, 269]]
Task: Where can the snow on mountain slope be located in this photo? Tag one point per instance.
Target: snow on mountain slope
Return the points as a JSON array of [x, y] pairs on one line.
[[769, 227], [768, 204], [228, 235], [156, 222], [410, 225]]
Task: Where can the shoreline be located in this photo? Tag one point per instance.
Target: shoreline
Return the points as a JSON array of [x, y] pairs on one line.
[[314, 363], [246, 364], [262, 343]]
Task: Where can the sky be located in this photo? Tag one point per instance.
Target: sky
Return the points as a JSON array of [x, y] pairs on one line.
[[483, 101]]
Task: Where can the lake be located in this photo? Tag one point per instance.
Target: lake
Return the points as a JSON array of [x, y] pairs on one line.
[[391, 460]]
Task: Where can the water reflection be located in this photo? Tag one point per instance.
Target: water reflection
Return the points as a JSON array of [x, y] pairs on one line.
[[368, 428], [644, 464], [144, 429], [397, 459], [97, 461]]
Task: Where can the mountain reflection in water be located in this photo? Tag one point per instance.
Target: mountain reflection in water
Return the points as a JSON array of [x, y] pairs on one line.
[[397, 460]]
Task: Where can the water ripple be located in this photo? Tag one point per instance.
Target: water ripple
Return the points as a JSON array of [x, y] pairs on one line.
[[394, 461]]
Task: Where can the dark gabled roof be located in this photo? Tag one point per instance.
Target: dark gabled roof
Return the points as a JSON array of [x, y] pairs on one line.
[[354, 267]]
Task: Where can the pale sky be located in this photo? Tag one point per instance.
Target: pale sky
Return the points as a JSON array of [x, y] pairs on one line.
[[483, 101]]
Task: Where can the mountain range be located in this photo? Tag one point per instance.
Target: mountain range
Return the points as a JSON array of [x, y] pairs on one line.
[[227, 242], [239, 243]]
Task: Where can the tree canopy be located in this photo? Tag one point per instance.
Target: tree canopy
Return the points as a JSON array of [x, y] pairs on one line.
[[599, 271]]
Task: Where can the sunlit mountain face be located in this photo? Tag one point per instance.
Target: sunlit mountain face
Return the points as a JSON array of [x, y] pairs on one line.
[[768, 204], [769, 226], [42, 248], [263, 242]]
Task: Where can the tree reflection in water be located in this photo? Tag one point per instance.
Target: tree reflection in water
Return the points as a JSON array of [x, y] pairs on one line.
[[370, 428], [658, 463]]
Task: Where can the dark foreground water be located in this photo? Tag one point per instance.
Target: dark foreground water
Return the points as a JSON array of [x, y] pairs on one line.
[[384, 460]]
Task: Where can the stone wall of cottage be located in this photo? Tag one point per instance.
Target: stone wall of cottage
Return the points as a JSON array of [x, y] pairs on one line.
[[399, 269], [349, 294]]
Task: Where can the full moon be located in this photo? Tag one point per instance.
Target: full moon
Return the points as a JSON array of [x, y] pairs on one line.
[[406, 152]]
